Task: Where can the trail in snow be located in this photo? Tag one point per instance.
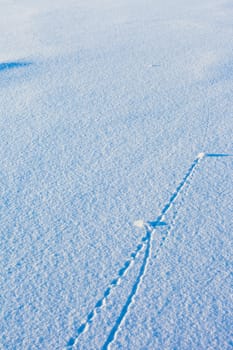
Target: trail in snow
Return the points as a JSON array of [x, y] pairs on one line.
[[165, 209], [146, 240], [130, 298], [219, 155], [181, 185], [125, 309], [121, 273]]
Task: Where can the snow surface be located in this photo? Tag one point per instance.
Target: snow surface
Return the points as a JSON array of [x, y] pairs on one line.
[[114, 112]]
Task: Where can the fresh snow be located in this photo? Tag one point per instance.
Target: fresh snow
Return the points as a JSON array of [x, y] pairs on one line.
[[116, 177]]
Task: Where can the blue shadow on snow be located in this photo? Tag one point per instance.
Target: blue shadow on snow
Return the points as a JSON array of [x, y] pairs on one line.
[[157, 223], [13, 65], [218, 155]]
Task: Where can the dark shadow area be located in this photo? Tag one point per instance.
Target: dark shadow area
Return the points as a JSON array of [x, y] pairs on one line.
[[13, 65], [219, 155], [157, 223]]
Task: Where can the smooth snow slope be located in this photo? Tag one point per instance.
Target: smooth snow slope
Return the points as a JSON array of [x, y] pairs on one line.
[[105, 106]]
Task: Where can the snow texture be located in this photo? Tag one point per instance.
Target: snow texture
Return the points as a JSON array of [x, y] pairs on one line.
[[116, 188]]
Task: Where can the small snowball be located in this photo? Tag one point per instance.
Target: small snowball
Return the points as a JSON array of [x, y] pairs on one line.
[[201, 155], [139, 223]]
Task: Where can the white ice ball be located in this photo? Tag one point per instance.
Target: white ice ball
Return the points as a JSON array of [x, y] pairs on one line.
[[139, 223], [201, 155]]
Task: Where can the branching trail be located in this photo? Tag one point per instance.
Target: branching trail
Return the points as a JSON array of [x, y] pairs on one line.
[[150, 231], [145, 242], [101, 302], [130, 298]]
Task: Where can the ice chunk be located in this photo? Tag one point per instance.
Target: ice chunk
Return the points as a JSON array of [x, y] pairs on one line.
[[201, 155], [139, 223]]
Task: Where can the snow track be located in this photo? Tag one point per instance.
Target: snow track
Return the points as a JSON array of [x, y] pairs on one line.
[[116, 281], [145, 241], [130, 299]]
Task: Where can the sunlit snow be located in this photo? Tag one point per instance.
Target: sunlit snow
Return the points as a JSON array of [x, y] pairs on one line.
[[116, 174]]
